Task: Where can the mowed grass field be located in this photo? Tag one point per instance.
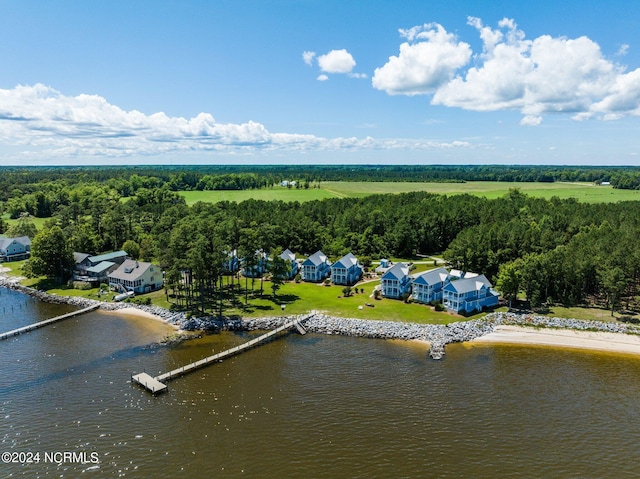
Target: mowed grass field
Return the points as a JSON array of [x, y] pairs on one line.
[[585, 192]]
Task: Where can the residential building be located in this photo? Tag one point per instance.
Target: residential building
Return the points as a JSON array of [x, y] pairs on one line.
[[427, 287], [15, 249], [316, 267], [292, 263], [259, 267], [136, 276], [469, 295], [396, 282], [346, 271], [96, 268]]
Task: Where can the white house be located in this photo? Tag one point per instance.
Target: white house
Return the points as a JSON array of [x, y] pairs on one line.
[[427, 287], [316, 267], [136, 276], [346, 271], [469, 294], [396, 282], [15, 249]]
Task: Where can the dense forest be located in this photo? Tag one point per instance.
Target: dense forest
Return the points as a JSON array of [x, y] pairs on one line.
[[16, 182], [550, 250]]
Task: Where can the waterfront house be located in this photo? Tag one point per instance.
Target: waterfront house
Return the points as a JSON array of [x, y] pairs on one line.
[[96, 268], [316, 267], [15, 249], [427, 287], [346, 271], [136, 276], [259, 266], [396, 282], [232, 264], [292, 263], [469, 295]]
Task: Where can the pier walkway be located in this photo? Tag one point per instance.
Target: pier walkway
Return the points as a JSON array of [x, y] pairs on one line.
[[40, 324], [157, 384]]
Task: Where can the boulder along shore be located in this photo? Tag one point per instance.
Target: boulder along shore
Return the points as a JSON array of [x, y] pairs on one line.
[[438, 336]]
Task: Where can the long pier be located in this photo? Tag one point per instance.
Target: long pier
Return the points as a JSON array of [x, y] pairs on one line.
[[40, 324], [157, 384]]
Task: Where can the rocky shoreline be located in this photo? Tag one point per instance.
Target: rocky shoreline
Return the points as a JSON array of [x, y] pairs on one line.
[[438, 336]]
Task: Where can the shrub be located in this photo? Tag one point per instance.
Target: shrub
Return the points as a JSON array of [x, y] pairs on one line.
[[82, 285], [439, 307]]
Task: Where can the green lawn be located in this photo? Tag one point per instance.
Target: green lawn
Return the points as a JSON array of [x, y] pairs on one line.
[[586, 192]]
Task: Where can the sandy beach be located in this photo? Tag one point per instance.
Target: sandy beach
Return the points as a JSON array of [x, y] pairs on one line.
[[565, 338], [138, 313]]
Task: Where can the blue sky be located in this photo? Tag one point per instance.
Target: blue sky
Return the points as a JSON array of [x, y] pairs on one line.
[[284, 81]]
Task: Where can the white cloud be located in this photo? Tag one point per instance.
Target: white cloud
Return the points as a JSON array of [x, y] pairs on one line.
[[336, 61], [41, 122], [308, 57], [357, 75], [531, 120], [536, 77], [623, 50], [322, 77], [426, 61]]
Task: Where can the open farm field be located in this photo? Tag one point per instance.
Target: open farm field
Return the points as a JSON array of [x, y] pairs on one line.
[[585, 192]]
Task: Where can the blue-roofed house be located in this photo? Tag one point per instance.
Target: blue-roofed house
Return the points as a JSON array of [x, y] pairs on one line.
[[316, 267], [427, 287], [259, 267], [469, 295], [15, 249], [396, 282], [347, 270], [292, 263]]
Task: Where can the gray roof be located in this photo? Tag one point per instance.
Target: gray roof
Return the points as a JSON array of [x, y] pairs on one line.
[[397, 271], [315, 259], [431, 277], [131, 270], [80, 257], [287, 255], [470, 284], [5, 242], [347, 261]]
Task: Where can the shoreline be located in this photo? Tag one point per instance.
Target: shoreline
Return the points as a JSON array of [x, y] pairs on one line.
[[561, 338], [494, 328]]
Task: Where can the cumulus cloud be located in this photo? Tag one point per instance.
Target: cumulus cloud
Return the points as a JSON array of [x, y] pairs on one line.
[[336, 61], [42, 122], [322, 77], [426, 62], [541, 76]]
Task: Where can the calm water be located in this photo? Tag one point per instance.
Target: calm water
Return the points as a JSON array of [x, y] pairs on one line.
[[308, 406]]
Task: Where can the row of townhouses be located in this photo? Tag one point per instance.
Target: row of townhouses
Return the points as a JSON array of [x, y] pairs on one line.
[[457, 291]]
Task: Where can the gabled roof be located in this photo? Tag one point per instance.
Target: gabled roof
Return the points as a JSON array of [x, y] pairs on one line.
[[456, 273], [131, 270], [315, 259], [397, 271], [346, 262], [80, 257], [108, 256], [469, 284], [431, 277], [5, 242], [287, 255]]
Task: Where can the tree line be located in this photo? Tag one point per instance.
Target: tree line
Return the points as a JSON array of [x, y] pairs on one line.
[[548, 250]]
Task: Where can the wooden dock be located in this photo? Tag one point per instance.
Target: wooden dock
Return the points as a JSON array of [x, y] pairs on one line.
[[46, 322], [157, 384]]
